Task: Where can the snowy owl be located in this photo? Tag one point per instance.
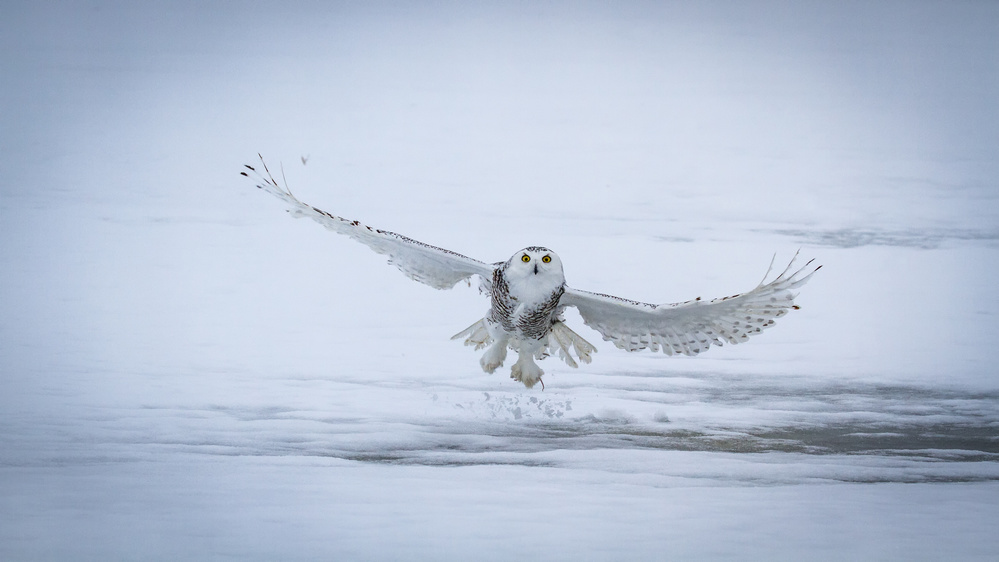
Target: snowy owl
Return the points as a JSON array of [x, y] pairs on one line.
[[528, 295]]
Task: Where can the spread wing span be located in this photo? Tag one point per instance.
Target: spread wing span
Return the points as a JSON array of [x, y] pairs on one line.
[[437, 267], [693, 326]]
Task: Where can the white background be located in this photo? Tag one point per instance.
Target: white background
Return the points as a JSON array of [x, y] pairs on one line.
[[187, 373]]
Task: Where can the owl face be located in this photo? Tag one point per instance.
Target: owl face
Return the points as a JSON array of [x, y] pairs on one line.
[[536, 265]]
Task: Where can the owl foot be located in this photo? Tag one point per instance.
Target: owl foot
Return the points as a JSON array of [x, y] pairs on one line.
[[527, 371], [493, 358]]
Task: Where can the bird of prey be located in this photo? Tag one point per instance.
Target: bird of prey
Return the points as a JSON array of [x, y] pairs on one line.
[[528, 295]]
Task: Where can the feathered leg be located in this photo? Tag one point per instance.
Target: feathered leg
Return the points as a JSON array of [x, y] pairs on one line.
[[493, 358], [526, 370]]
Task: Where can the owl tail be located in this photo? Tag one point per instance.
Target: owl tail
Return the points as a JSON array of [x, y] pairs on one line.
[[561, 339], [477, 334]]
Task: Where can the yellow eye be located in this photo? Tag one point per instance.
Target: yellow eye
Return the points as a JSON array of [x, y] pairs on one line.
[[546, 259], [525, 258]]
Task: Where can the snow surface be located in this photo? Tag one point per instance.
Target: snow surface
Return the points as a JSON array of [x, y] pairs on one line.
[[185, 373]]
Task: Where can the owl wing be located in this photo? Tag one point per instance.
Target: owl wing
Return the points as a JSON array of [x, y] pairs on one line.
[[437, 267], [693, 326]]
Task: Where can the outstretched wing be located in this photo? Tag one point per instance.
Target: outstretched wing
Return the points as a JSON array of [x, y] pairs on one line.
[[437, 267], [693, 326]]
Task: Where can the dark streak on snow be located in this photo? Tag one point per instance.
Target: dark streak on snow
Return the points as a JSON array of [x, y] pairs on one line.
[[913, 238], [929, 427]]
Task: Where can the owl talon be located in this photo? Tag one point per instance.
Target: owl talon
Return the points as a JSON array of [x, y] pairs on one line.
[[527, 371], [493, 358]]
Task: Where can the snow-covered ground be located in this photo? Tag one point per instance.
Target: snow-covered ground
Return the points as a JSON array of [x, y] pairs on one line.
[[185, 372]]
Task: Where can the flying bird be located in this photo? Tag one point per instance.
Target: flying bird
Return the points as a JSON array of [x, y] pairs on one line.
[[528, 295]]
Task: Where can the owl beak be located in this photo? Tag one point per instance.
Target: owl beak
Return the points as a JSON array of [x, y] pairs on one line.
[[535, 269]]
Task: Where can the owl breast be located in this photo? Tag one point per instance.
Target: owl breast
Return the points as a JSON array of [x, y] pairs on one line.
[[524, 309]]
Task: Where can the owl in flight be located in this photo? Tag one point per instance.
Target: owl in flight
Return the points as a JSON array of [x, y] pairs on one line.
[[528, 295]]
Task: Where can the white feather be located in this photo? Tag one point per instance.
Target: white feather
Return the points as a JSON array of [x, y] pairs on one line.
[[530, 294], [437, 267], [693, 326]]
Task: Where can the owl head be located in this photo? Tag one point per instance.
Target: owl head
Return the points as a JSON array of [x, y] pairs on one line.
[[537, 266]]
